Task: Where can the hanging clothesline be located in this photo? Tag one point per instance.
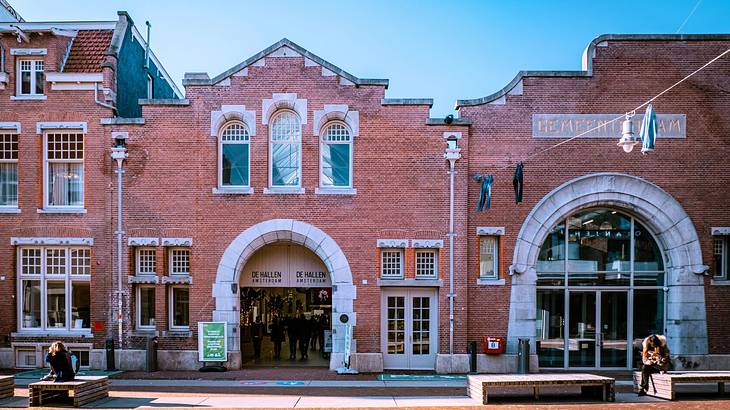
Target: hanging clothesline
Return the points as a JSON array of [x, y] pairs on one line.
[[619, 117]]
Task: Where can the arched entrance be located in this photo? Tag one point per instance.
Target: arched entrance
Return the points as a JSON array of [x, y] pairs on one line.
[[653, 208], [238, 252]]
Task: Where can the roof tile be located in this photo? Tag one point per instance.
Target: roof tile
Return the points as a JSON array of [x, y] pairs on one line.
[[87, 51]]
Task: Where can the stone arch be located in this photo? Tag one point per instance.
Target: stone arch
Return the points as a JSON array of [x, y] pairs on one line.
[[659, 211], [225, 288]]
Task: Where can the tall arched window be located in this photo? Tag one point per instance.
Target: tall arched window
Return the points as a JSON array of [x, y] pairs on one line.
[[234, 155], [336, 157], [285, 150]]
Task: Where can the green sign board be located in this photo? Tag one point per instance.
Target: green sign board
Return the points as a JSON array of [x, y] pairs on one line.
[[212, 342]]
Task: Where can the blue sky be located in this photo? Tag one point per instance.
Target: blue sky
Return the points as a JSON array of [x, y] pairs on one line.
[[440, 50]]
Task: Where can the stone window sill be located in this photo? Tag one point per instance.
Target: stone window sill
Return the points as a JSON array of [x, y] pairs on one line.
[[144, 333], [283, 191], [62, 211], [490, 282], [9, 210], [232, 191], [84, 333], [27, 97], [177, 333], [411, 282], [720, 282], [335, 191]]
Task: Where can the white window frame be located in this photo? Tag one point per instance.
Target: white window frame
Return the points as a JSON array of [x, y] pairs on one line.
[[170, 252], [150, 87], [33, 71], [271, 151], [4, 134], [138, 308], [46, 161], [138, 260], [495, 253], [723, 241], [435, 273], [220, 153], [322, 143], [171, 308], [43, 277], [383, 252]]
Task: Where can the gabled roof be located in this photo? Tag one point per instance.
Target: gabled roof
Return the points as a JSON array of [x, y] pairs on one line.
[[196, 79], [87, 51]]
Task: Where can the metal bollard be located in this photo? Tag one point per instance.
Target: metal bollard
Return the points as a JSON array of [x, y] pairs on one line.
[[473, 357], [523, 356], [151, 359], [110, 355]]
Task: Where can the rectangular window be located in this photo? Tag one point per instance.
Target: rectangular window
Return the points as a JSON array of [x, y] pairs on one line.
[[145, 307], [64, 153], [179, 262], [391, 263], [179, 301], [721, 259], [54, 288], [146, 261], [488, 257], [426, 263], [30, 77], [8, 170]]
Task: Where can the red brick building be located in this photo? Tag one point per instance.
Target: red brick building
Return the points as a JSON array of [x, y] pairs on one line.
[[286, 186]]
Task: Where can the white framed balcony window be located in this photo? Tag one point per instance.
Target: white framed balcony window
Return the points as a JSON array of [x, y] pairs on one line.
[[335, 165], [54, 289], [179, 307], [146, 261], [145, 307], [8, 170], [391, 263], [489, 257], [234, 159], [30, 78], [63, 168], [179, 261], [426, 263], [285, 150]]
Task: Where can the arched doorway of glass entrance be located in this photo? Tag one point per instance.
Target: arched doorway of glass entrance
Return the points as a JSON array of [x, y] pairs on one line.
[[600, 291]]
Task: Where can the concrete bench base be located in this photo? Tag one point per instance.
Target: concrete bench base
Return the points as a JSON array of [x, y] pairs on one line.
[[83, 390], [599, 387], [664, 385]]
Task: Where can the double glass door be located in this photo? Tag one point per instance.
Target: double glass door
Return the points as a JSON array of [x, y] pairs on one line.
[[597, 329], [409, 329]]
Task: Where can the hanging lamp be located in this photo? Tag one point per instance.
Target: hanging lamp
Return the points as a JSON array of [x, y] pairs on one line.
[[628, 137]]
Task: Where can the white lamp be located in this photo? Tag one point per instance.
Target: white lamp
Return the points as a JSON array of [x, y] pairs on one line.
[[628, 138]]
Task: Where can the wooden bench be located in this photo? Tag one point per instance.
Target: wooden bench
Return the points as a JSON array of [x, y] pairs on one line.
[[83, 390], [7, 386], [599, 387], [664, 385]]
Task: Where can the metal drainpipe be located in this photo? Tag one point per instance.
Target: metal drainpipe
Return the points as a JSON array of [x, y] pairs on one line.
[[451, 257], [120, 233]]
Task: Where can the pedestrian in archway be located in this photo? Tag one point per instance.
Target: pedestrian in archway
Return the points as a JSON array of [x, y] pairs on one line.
[[277, 336], [292, 331], [304, 334], [257, 334]]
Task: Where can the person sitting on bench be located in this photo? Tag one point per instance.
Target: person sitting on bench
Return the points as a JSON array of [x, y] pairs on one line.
[[61, 363], [655, 359]]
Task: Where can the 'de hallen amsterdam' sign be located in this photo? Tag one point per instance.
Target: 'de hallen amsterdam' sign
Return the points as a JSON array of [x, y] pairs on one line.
[[570, 125], [285, 266]]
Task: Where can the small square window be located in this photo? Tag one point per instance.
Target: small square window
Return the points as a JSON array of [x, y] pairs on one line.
[[721, 258], [489, 257], [146, 261], [179, 262], [391, 263], [426, 263]]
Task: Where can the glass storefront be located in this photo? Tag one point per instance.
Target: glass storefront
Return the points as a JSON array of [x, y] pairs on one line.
[[600, 291]]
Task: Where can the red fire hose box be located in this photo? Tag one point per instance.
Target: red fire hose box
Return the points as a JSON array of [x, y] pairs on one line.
[[493, 345]]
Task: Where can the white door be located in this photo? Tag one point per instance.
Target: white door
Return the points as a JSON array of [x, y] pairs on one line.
[[409, 328]]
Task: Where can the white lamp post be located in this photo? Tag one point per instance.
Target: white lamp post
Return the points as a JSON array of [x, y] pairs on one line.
[[119, 154]]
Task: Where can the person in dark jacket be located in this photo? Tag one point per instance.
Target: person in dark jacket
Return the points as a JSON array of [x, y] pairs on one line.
[[655, 359], [59, 359], [257, 331], [292, 331], [277, 336], [304, 333]]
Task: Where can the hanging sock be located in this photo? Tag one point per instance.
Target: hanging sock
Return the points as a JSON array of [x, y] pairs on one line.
[[518, 183], [648, 130], [485, 193]]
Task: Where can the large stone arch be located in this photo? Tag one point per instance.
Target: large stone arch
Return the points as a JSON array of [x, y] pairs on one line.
[[660, 212], [225, 288]]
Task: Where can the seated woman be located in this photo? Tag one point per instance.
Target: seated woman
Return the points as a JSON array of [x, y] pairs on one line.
[[59, 359], [655, 359]]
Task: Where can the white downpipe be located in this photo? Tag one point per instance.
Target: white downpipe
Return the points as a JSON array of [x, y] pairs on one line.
[[120, 233], [96, 99], [451, 257]]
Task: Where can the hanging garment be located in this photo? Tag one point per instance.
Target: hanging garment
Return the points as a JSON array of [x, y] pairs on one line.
[[648, 130], [517, 182], [485, 193]]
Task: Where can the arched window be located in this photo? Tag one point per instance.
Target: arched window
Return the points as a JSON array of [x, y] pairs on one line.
[[336, 157], [285, 150], [234, 155]]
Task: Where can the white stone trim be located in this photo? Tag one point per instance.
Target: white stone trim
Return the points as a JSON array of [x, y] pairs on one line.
[[283, 51], [143, 279], [720, 230], [28, 97], [427, 243], [232, 191], [177, 242], [10, 126], [284, 191], [75, 77], [230, 113], [392, 243], [491, 230], [143, 241], [335, 191], [20, 241], [490, 282], [282, 101], [62, 125], [336, 112], [177, 280], [28, 51], [9, 210], [452, 134]]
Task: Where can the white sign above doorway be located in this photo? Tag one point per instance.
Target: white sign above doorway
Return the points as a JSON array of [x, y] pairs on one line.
[[285, 266]]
